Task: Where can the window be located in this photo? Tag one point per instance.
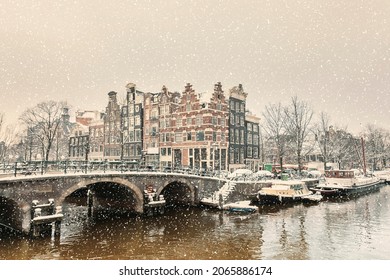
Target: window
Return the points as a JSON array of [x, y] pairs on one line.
[[199, 120], [255, 128], [242, 122], [242, 108], [188, 107], [231, 155], [189, 122], [214, 120], [249, 138], [249, 152], [256, 139], [163, 151], [255, 152], [200, 136], [178, 137], [231, 104], [137, 120], [249, 127], [154, 114], [189, 136], [231, 118], [138, 135], [222, 122], [203, 154], [178, 122], [214, 136], [242, 137]]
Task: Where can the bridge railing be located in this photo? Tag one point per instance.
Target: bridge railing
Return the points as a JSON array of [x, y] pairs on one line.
[[72, 167]]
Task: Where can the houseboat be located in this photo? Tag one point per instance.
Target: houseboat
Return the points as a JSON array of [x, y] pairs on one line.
[[346, 183]]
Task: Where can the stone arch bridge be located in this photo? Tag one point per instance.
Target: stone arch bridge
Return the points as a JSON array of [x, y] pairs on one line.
[[112, 191]]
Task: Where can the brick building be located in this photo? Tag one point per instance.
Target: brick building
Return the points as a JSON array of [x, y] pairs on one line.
[[157, 124], [199, 130], [112, 128]]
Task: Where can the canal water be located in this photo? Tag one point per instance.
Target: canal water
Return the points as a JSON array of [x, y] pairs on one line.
[[356, 229]]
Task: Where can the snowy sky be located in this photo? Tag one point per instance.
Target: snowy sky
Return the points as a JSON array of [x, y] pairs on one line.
[[333, 54]]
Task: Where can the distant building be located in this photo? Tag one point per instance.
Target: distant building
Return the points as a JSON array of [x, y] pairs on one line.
[[252, 142], [96, 139], [79, 143], [132, 124], [237, 129], [87, 117], [112, 128], [157, 120], [169, 103]]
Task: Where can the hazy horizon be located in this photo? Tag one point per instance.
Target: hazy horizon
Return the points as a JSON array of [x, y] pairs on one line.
[[334, 55]]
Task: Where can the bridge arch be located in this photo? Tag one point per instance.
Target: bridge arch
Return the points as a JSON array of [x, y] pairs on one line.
[[11, 214], [178, 190], [85, 182]]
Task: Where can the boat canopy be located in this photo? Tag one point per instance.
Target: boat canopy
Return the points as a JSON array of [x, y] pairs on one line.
[[339, 173]]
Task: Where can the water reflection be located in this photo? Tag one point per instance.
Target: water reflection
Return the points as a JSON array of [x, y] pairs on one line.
[[354, 229]]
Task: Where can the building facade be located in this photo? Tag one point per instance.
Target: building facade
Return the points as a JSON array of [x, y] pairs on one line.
[[252, 142], [112, 128], [132, 125], [199, 130], [237, 129], [79, 143]]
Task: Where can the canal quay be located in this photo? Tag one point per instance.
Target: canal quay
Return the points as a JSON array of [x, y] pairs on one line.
[[355, 228]]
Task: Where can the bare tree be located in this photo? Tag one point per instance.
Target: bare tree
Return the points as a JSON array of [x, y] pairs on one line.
[[376, 140], [335, 143], [8, 138], [297, 121], [322, 137], [44, 119], [274, 117]]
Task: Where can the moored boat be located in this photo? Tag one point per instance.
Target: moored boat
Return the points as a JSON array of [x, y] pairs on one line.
[[281, 192], [240, 206], [346, 183]]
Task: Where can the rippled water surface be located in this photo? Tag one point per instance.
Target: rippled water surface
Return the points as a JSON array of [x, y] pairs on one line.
[[353, 229]]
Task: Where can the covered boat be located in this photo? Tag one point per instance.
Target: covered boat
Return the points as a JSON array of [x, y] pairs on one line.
[[286, 192], [345, 183]]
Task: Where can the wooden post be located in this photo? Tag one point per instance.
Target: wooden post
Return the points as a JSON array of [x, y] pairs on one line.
[[57, 223], [89, 202]]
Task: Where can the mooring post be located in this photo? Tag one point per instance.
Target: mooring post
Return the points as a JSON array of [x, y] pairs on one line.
[[37, 227], [90, 202], [57, 223]]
